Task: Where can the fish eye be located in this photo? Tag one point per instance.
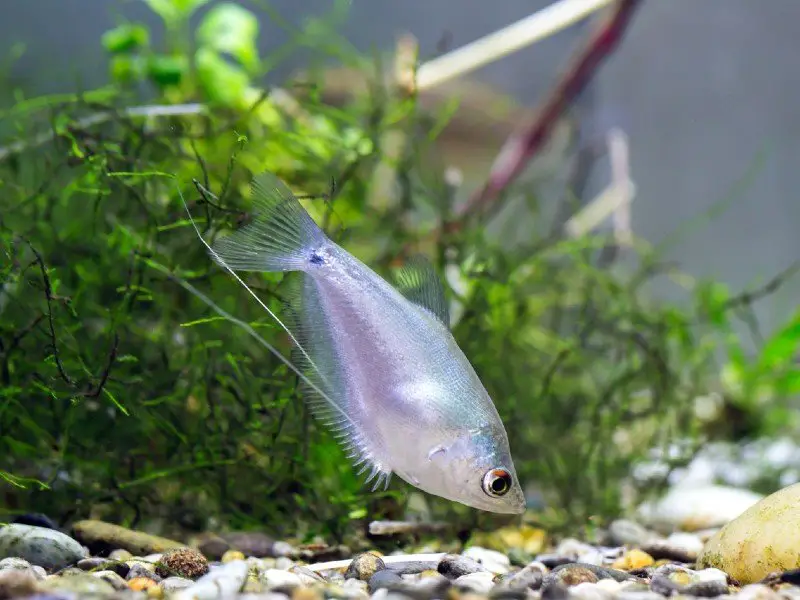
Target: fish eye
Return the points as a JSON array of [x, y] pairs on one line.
[[496, 482]]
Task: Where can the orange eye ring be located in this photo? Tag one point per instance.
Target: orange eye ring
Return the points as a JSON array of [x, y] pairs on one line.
[[496, 482]]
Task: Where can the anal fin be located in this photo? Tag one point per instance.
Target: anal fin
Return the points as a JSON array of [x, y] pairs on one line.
[[316, 357]]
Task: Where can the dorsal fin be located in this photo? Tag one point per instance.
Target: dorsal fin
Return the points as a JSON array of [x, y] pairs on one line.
[[418, 281]]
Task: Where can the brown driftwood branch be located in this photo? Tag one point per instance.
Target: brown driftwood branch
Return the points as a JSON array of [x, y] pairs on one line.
[[524, 144]]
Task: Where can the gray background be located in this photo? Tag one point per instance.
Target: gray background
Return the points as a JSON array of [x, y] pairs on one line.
[[700, 87]]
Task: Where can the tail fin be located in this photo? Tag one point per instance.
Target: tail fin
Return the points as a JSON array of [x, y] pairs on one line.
[[281, 237]]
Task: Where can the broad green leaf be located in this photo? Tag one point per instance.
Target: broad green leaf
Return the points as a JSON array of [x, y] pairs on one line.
[[167, 70], [231, 29], [221, 81], [125, 38]]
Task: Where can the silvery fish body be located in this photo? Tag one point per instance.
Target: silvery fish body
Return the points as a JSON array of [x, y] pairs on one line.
[[380, 365]]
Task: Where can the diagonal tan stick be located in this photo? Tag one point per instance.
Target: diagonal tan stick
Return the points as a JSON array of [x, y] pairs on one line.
[[541, 24]]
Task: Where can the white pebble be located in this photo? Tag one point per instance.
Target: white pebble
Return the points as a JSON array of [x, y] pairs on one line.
[[589, 591], [496, 562], [610, 585], [572, 548], [273, 578], [688, 542], [354, 589], [756, 591], [224, 582], [282, 549], [711, 575], [480, 583], [593, 557]]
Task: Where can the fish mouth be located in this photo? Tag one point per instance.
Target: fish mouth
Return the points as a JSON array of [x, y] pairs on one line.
[[513, 504]]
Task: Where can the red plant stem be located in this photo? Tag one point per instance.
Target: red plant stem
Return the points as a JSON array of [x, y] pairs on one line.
[[524, 144]]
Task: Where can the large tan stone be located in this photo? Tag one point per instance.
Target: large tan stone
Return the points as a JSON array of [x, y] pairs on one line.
[[763, 539]]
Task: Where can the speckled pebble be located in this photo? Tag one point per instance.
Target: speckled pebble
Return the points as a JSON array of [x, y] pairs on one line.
[[494, 561], [141, 569], [103, 564], [363, 566], [117, 582], [529, 577], [13, 563], [455, 565], [573, 574], [47, 548]]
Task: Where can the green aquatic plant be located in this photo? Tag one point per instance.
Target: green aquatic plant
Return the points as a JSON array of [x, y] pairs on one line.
[[123, 396]]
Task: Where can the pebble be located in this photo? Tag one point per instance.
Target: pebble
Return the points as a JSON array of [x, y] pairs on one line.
[[120, 555], [103, 564], [173, 584], [231, 555], [480, 583], [639, 595], [283, 549], [14, 564], [103, 537], [455, 565], [142, 584], [623, 532], [384, 579], [137, 568], [572, 549], [183, 562], [692, 507], [222, 582], [117, 582], [599, 572], [633, 560], [278, 578], [80, 583], [551, 561], [529, 577], [758, 542], [15, 583], [590, 591], [354, 589], [573, 574], [306, 575], [757, 591], [626, 570], [494, 561], [41, 546]]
